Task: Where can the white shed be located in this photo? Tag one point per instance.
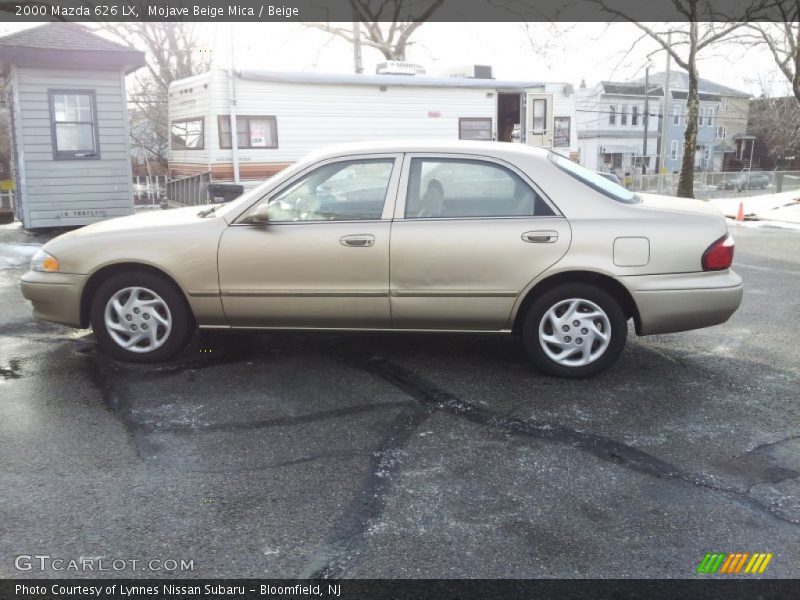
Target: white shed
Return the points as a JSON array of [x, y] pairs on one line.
[[65, 89]]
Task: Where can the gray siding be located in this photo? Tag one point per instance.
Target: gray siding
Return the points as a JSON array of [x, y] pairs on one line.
[[55, 189]]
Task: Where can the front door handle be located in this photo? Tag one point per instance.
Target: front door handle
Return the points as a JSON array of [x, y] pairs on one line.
[[540, 237], [357, 241]]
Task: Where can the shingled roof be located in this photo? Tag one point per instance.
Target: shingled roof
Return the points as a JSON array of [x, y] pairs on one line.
[[67, 45], [679, 83]]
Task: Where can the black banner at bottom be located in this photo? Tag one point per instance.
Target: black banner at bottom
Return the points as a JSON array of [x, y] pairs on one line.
[[395, 589]]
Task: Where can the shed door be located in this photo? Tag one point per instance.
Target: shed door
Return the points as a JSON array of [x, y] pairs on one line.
[[539, 120]]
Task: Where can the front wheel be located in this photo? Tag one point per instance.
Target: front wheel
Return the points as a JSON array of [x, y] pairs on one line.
[[574, 331], [140, 317]]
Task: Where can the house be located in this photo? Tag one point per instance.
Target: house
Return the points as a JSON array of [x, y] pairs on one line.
[[611, 124], [65, 90], [281, 116]]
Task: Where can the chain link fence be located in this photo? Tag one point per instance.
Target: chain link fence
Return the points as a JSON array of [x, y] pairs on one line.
[[718, 185]]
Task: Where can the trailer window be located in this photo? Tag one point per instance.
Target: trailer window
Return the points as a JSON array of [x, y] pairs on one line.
[[251, 132], [475, 129], [187, 134], [73, 116]]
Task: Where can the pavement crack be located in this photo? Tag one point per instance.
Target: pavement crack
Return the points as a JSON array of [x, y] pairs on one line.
[[333, 559], [602, 447], [190, 428]]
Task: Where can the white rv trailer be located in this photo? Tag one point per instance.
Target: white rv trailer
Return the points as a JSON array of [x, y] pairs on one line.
[[280, 116]]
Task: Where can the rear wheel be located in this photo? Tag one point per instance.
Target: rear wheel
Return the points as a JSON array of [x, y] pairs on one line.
[[574, 330], [140, 317]]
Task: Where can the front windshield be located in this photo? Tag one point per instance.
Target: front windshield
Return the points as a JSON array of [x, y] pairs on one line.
[[594, 180]]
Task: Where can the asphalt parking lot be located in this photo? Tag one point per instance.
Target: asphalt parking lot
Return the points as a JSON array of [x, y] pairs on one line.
[[287, 455]]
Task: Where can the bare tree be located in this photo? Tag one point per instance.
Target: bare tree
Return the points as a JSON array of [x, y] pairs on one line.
[[703, 29], [783, 40], [386, 25], [776, 124], [173, 52]]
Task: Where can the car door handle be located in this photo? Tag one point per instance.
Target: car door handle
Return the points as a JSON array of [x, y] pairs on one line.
[[540, 237], [357, 241]]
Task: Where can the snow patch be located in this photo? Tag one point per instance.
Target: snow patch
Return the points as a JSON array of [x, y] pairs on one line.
[[14, 256]]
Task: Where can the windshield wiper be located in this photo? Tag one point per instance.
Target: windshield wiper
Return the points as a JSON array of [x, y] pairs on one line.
[[208, 211]]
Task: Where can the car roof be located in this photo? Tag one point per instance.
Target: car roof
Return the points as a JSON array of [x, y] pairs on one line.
[[496, 149]]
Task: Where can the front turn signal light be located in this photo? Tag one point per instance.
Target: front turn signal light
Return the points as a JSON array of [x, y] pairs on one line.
[[42, 261]]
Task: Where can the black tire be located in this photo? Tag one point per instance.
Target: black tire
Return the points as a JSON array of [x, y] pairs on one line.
[[618, 327], [182, 322]]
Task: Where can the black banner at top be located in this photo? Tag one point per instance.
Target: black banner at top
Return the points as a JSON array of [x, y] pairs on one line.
[[399, 10]]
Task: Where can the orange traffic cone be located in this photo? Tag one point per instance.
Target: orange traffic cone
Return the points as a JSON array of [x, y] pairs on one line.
[[740, 213]]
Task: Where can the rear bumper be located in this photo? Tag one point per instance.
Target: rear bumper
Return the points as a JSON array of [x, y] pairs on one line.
[[682, 301], [55, 296]]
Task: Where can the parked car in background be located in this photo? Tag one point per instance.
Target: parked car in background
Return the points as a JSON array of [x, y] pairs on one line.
[[752, 180], [404, 236], [746, 180]]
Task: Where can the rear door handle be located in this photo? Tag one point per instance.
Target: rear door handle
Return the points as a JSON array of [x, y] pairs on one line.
[[357, 241], [540, 237]]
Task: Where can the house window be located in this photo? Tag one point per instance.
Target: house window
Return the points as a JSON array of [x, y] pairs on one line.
[[721, 133], [723, 104], [187, 134], [539, 115], [73, 124], [673, 149], [676, 114], [710, 116], [612, 115], [635, 116], [251, 132], [474, 129], [623, 114]]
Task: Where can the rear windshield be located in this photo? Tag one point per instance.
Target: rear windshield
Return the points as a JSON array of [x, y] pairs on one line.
[[594, 180]]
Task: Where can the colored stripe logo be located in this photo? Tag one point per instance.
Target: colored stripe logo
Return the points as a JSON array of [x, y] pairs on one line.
[[734, 563]]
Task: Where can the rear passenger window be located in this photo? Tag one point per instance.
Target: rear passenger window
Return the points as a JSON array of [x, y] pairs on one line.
[[453, 188]]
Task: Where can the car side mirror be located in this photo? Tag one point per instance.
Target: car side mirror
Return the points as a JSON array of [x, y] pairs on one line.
[[260, 215]]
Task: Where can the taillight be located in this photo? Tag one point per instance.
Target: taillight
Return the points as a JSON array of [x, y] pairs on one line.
[[719, 255]]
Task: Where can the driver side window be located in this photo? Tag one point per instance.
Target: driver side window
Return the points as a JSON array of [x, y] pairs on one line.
[[342, 191]]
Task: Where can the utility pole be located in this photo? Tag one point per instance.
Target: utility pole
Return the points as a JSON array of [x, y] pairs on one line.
[[359, 67], [665, 112], [646, 116], [232, 110]]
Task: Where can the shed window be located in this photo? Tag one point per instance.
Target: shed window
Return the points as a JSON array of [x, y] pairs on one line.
[[73, 116], [251, 132], [187, 134], [474, 129]]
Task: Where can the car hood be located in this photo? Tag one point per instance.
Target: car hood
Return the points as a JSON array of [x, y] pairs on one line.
[[144, 220], [688, 205]]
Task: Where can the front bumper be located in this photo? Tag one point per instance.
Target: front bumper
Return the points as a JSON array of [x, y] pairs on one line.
[[683, 301], [55, 297]]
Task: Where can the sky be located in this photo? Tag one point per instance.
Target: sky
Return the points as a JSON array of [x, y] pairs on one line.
[[561, 52]]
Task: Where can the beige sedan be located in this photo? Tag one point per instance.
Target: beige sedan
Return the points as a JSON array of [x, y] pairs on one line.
[[457, 237]]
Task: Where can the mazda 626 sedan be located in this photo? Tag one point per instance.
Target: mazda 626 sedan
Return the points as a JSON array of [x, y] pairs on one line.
[[447, 236]]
